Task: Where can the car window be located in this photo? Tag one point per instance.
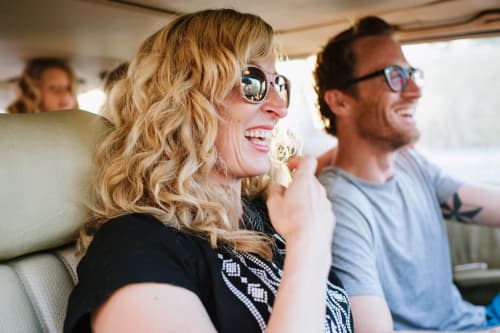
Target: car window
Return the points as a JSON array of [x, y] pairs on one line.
[[459, 112]]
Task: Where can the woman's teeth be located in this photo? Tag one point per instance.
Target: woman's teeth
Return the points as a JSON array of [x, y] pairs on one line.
[[263, 134], [258, 136]]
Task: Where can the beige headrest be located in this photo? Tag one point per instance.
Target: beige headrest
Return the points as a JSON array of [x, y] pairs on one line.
[[45, 169]]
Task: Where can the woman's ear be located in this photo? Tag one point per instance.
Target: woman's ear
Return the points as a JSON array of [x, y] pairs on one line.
[[337, 101]]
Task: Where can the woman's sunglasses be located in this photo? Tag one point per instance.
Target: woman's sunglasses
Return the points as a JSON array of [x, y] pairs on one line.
[[396, 77], [255, 85]]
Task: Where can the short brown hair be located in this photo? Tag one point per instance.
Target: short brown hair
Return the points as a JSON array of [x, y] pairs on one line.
[[112, 76], [336, 62]]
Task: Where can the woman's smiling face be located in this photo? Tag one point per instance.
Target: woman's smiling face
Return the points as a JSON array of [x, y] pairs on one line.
[[55, 90], [245, 128]]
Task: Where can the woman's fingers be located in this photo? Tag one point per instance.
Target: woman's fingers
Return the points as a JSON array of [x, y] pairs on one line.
[[275, 190], [303, 206]]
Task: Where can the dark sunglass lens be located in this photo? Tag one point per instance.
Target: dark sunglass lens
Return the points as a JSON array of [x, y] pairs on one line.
[[253, 84], [283, 88]]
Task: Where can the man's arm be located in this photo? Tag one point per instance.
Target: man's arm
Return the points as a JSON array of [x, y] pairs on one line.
[[370, 314], [488, 330], [474, 204]]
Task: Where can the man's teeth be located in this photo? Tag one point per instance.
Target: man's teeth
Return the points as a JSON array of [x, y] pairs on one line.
[[406, 113], [260, 134]]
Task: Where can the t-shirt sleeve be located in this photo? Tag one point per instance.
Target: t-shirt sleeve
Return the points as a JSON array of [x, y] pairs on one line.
[[130, 249], [353, 255], [444, 184]]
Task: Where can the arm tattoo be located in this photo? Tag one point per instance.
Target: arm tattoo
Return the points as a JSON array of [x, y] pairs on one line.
[[458, 212]]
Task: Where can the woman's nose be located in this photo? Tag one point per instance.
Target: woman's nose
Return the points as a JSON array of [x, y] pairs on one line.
[[275, 103], [68, 100]]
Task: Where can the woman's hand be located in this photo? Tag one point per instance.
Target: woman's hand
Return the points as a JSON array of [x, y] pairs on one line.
[[302, 213]]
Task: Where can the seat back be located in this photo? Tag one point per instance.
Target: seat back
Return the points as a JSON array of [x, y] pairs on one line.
[[45, 170], [471, 243], [474, 252]]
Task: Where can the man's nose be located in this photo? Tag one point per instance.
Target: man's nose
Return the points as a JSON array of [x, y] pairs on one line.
[[413, 89]]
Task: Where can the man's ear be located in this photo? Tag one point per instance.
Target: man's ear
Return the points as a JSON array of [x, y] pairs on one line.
[[337, 101]]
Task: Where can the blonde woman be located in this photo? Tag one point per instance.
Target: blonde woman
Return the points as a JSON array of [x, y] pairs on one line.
[[47, 84], [183, 239]]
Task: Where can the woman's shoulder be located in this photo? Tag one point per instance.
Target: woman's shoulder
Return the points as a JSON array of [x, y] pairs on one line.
[[132, 222], [139, 240], [129, 249], [137, 227]]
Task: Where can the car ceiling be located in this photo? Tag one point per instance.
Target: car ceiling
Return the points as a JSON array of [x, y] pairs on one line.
[[96, 35]]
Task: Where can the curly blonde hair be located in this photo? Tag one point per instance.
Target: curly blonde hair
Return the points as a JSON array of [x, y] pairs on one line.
[[161, 150], [29, 99]]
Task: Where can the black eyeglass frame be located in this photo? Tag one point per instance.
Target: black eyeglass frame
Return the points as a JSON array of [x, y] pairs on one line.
[[409, 73], [271, 82]]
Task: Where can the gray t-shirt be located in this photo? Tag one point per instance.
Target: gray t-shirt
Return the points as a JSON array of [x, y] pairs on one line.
[[390, 240]]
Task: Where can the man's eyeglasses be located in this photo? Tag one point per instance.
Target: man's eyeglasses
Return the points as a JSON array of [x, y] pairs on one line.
[[255, 86], [396, 77]]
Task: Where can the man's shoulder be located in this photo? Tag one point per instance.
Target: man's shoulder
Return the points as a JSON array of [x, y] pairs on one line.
[[409, 157], [341, 187], [334, 179]]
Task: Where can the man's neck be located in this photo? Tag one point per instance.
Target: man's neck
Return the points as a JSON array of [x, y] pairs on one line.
[[365, 160]]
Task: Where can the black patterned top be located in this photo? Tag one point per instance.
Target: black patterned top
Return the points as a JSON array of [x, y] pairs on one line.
[[237, 289]]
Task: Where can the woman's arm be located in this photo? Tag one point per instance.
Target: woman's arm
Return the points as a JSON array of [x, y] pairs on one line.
[[302, 214], [152, 307]]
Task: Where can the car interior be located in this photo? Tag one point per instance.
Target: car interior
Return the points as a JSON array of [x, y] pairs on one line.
[[44, 194], [46, 158]]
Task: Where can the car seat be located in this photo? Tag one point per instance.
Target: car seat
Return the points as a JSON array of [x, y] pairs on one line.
[[475, 254], [45, 172]]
